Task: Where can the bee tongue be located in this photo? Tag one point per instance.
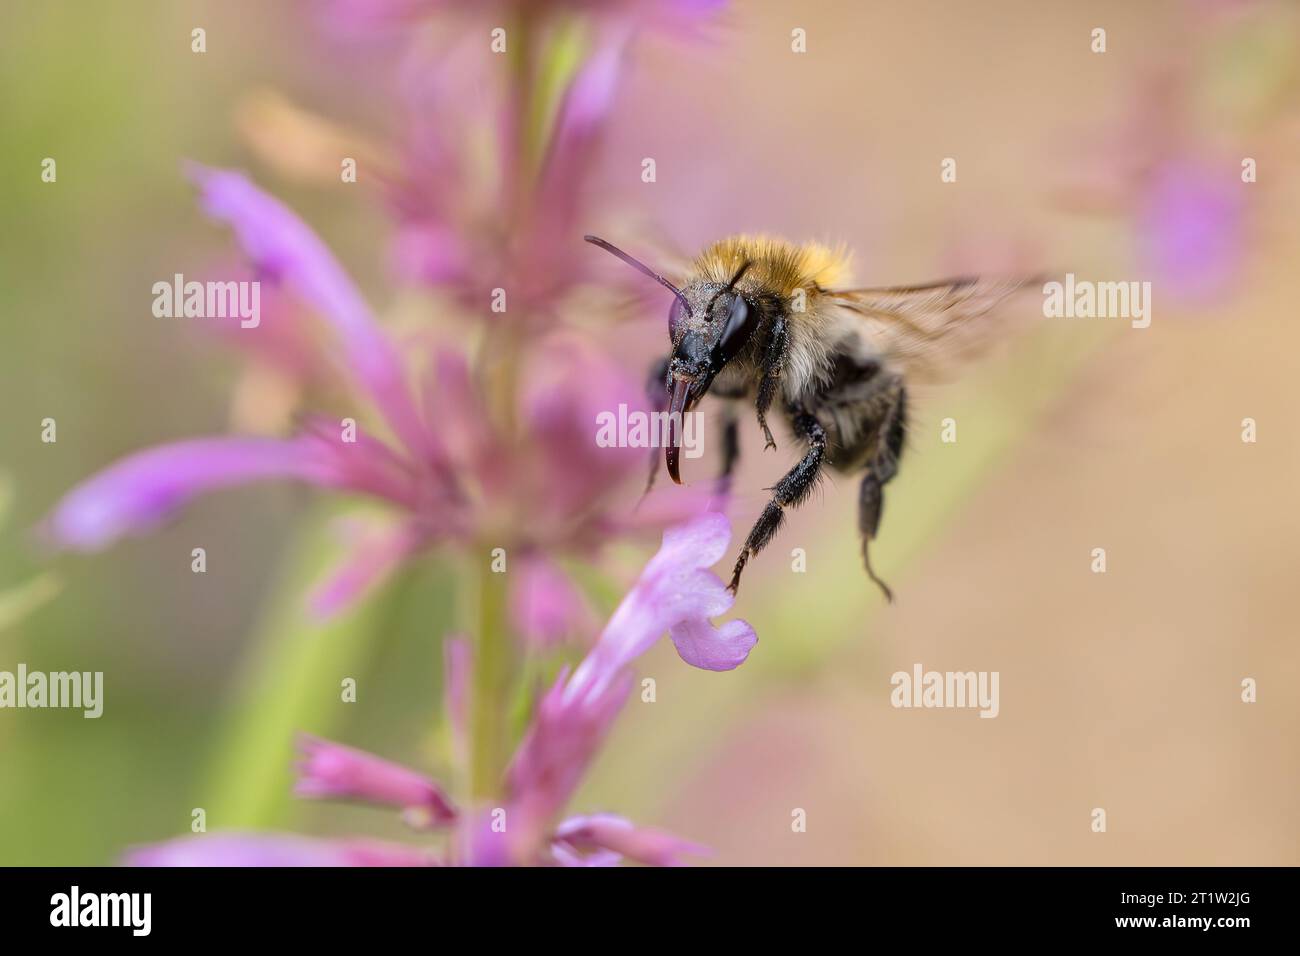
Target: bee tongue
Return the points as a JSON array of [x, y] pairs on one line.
[[676, 411]]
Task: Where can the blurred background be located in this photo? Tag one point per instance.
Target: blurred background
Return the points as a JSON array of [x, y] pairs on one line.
[[1118, 690]]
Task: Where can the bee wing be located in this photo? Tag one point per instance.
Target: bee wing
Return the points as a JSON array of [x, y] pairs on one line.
[[926, 329]]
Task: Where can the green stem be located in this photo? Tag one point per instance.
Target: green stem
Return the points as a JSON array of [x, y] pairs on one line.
[[292, 682], [490, 693]]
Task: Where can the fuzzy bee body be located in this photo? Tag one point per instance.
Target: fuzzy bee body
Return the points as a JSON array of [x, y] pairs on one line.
[[830, 368], [775, 323]]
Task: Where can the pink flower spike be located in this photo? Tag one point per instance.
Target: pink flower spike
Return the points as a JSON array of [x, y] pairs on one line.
[[331, 770], [606, 834], [564, 736], [284, 247], [276, 849]]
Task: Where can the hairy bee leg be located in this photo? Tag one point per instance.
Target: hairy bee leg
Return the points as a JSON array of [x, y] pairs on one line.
[[773, 363], [656, 393], [870, 502], [893, 431], [790, 492], [871, 495]]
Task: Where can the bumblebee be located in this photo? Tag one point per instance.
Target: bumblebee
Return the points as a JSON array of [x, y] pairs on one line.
[[763, 320]]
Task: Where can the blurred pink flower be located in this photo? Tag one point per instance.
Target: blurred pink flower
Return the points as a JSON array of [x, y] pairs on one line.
[[602, 839], [675, 593], [1190, 227], [546, 607], [469, 219], [333, 771], [450, 472], [1170, 165], [275, 849], [383, 16]]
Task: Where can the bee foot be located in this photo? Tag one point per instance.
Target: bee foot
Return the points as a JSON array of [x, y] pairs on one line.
[[734, 586]]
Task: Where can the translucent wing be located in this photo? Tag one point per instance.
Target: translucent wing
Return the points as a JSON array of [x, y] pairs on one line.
[[927, 329]]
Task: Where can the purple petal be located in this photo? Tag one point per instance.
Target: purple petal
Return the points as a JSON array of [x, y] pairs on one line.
[[698, 544], [430, 252], [606, 834], [454, 403], [702, 645], [142, 490], [1192, 229], [497, 836], [565, 855], [333, 771], [590, 96], [276, 849], [569, 385], [556, 752], [350, 16], [371, 562], [674, 593], [284, 247], [545, 606]]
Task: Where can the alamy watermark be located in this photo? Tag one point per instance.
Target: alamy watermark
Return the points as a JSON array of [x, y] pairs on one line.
[[82, 690], [632, 428], [75, 908], [1084, 299], [179, 299], [940, 689]]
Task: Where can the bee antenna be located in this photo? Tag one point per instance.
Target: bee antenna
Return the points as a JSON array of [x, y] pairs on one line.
[[740, 274], [640, 267]]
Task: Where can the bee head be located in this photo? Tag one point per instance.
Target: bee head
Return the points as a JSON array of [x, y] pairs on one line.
[[709, 324]]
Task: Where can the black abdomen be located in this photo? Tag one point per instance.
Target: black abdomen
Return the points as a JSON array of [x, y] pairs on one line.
[[864, 412]]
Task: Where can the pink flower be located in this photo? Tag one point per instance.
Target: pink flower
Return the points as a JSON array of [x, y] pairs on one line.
[[458, 233], [1171, 164], [675, 593], [341, 773], [447, 471], [139, 492], [284, 248], [545, 606], [266, 849], [600, 840], [678, 594], [1191, 227]]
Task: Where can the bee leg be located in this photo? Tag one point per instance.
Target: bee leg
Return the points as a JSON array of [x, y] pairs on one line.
[[870, 502], [871, 495], [773, 363], [790, 492], [656, 393]]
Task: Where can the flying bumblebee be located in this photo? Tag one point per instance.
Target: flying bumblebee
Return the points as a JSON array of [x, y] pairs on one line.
[[761, 319]]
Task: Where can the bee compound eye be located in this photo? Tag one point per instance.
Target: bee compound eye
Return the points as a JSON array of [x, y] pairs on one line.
[[741, 320]]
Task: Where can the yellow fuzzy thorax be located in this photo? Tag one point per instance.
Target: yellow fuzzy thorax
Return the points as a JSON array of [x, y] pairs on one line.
[[777, 266]]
